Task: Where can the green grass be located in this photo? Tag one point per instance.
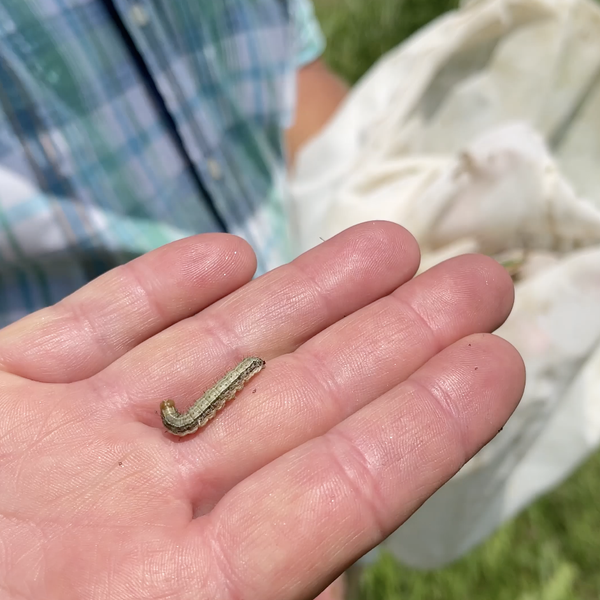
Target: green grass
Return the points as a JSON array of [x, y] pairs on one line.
[[552, 550], [358, 32]]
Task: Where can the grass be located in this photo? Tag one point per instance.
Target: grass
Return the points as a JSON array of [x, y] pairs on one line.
[[552, 550], [358, 32]]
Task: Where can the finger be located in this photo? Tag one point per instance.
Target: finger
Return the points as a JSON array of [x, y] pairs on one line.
[[339, 495], [270, 316], [303, 395], [89, 329]]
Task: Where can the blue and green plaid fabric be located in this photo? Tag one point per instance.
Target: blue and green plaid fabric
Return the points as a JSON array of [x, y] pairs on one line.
[[127, 124]]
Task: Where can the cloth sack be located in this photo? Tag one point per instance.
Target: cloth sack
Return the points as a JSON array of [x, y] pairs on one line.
[[481, 133]]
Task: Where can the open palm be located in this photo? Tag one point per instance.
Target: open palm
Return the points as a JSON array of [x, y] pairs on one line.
[[378, 387]]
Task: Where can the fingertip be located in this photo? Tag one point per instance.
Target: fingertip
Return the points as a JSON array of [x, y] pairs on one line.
[[480, 381], [375, 250], [387, 238], [510, 368], [470, 288], [489, 273], [206, 265], [202, 257]]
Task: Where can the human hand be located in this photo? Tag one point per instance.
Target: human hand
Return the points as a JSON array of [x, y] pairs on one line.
[[378, 387]]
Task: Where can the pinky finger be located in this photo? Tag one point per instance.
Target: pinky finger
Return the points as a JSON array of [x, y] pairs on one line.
[[294, 526]]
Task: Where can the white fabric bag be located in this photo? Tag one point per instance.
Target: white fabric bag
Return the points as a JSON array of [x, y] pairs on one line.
[[482, 133]]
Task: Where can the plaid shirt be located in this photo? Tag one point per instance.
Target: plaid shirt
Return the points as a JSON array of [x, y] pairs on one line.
[[127, 124]]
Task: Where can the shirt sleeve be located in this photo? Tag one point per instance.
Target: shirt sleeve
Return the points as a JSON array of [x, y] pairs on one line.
[[309, 39]]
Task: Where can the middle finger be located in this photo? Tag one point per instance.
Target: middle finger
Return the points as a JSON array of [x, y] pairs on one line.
[[268, 317]]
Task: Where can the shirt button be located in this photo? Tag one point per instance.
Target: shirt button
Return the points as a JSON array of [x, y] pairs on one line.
[[214, 169], [139, 15]]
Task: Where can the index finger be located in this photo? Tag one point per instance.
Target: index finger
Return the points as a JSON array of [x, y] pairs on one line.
[[92, 327]]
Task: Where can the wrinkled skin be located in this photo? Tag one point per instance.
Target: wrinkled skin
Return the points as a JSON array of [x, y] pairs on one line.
[[378, 387]]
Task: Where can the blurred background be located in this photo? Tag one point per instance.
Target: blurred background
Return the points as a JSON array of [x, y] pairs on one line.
[[552, 550]]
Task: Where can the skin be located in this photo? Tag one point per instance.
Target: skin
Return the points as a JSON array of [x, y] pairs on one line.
[[319, 94], [378, 388]]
